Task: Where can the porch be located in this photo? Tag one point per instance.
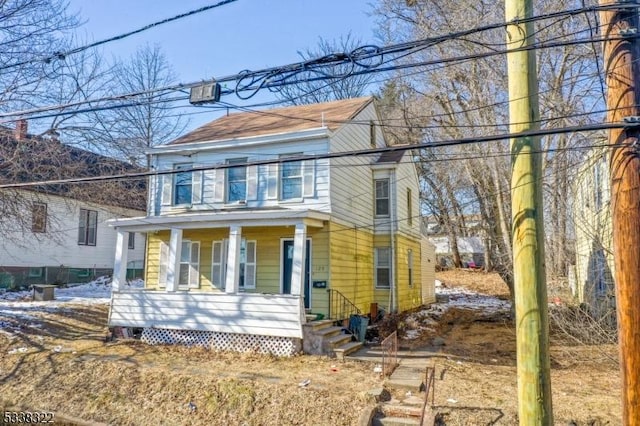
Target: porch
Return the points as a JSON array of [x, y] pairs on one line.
[[236, 273]]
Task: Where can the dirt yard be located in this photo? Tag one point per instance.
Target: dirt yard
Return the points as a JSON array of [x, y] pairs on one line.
[[56, 359]]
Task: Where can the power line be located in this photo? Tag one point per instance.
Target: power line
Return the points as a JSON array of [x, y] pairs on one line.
[[355, 153], [63, 55], [274, 77]]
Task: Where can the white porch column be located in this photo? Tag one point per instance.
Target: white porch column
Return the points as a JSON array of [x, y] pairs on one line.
[[173, 266], [232, 282], [120, 262], [297, 269]]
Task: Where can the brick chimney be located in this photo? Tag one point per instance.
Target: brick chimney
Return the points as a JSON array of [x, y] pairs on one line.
[[21, 130]]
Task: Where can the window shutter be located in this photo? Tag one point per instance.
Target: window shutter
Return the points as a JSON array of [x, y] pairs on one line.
[[196, 187], [162, 269], [167, 183], [308, 175], [194, 265], [218, 192], [250, 265], [217, 277], [252, 182], [272, 182]]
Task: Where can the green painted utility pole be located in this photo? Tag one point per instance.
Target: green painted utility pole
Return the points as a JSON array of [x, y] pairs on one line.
[[532, 324]]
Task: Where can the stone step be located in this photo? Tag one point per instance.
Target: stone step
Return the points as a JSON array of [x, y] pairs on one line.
[[334, 341], [407, 378], [347, 348], [395, 421], [316, 325], [327, 332]]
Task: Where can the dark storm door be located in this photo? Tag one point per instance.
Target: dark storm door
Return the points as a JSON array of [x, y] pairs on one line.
[[287, 269]]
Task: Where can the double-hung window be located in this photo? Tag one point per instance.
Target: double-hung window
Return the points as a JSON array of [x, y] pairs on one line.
[[237, 180], [182, 185], [382, 260], [87, 227], [291, 179], [382, 197], [247, 264], [189, 274]]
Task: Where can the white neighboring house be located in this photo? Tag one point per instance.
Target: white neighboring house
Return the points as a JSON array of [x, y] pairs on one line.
[[58, 238]]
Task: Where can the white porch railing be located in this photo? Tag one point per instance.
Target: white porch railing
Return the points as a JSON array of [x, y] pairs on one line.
[[279, 315]]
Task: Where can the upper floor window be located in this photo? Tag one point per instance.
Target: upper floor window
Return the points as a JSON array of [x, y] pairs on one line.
[[291, 179], [88, 227], [382, 197], [237, 180], [409, 208], [39, 217], [183, 185]]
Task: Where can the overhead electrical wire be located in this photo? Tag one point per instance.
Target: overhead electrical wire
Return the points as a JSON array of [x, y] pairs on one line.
[[355, 153], [65, 54], [356, 57]]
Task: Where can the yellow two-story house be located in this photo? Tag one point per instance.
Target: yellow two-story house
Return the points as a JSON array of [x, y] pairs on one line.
[[258, 218]]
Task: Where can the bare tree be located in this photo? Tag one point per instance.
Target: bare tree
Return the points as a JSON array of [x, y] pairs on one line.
[[127, 132], [469, 98], [32, 32], [337, 82]]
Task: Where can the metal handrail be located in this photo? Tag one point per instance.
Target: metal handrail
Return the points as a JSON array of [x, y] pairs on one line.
[[389, 348], [430, 390], [340, 308]]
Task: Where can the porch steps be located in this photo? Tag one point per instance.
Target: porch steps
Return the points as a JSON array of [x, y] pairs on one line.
[[345, 349], [325, 338]]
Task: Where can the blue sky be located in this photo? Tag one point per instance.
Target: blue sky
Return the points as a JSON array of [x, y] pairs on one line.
[[247, 34]]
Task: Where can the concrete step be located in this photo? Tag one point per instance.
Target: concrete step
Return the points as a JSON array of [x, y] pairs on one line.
[[334, 341], [347, 348], [316, 325], [395, 421], [327, 332], [407, 378]]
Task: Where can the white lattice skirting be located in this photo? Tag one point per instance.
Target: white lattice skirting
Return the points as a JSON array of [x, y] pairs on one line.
[[278, 346]]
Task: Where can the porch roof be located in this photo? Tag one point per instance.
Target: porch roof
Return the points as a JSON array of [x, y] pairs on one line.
[[221, 219]]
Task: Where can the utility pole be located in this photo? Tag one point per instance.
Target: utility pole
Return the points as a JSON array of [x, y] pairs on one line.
[[532, 324], [621, 69]]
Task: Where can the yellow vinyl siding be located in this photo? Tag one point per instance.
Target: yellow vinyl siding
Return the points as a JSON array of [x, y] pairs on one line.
[[352, 264], [409, 297], [268, 257]]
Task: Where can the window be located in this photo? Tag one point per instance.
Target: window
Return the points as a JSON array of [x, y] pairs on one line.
[[189, 273], [291, 179], [35, 272], [39, 217], [372, 134], [88, 227], [132, 241], [382, 197], [410, 266], [237, 181], [183, 185], [247, 264], [383, 267], [409, 208]]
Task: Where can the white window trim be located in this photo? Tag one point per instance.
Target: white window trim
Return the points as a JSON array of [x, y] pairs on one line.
[[376, 266], [222, 264], [162, 267], [375, 197], [241, 162], [194, 267]]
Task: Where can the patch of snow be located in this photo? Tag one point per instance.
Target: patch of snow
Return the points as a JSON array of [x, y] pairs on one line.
[[19, 304], [412, 334]]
